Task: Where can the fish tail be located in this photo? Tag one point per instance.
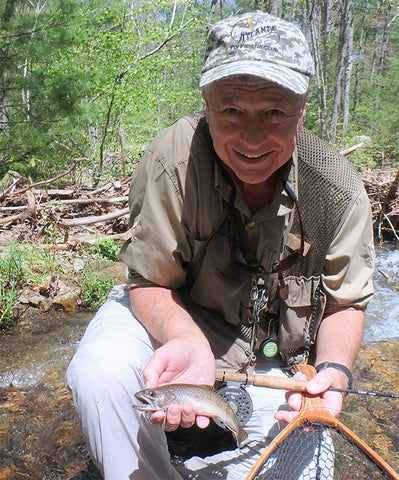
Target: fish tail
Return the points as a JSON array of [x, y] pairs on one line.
[[238, 432], [240, 435]]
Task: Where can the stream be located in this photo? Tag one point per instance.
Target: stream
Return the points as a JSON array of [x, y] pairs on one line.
[[39, 432]]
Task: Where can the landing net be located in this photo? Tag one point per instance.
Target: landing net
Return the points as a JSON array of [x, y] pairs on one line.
[[317, 446], [319, 451]]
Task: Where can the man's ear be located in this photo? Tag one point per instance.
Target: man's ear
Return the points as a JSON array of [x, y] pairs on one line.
[[206, 102]]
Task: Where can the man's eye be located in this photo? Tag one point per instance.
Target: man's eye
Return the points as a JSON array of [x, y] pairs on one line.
[[231, 111], [275, 112]]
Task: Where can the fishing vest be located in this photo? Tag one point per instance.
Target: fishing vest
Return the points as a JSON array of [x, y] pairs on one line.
[[327, 188]]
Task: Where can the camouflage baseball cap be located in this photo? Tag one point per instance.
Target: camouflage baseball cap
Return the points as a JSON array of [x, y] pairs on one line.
[[258, 44]]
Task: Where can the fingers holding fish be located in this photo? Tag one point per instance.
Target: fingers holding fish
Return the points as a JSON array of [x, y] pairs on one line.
[[172, 418], [187, 416], [177, 416]]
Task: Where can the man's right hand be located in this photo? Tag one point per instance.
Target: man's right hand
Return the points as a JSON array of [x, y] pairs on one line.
[[180, 360]]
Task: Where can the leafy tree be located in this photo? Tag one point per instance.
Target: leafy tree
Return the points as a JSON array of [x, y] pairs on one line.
[[39, 92], [100, 79]]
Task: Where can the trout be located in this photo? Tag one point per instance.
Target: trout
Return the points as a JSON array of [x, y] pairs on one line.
[[203, 398]]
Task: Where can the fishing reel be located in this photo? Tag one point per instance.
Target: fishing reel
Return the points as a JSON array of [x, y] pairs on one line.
[[239, 399]]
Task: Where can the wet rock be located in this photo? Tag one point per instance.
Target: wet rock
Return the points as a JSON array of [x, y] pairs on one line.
[[31, 296], [67, 301]]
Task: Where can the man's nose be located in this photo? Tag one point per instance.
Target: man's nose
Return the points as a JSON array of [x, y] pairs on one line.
[[253, 131]]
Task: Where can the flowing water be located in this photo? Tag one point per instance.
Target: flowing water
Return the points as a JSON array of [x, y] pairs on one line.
[[39, 433], [382, 314]]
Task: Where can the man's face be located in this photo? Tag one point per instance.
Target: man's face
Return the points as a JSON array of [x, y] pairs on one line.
[[254, 126]]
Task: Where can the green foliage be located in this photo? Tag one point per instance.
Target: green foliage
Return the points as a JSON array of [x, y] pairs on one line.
[[39, 264], [8, 305], [94, 291], [26, 264], [76, 77], [106, 248], [11, 266], [11, 277]]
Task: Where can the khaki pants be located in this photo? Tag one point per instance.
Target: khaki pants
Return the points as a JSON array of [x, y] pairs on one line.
[[105, 373]]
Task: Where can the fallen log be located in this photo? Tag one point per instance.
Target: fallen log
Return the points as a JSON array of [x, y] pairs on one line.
[[96, 219]]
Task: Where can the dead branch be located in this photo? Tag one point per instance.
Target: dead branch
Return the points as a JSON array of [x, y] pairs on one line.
[[392, 227], [386, 276], [74, 201], [29, 211], [8, 183], [104, 188], [89, 220], [89, 201], [348, 150], [45, 182], [67, 192], [392, 192]]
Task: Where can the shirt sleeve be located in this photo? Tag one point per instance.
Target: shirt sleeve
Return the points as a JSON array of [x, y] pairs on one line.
[[158, 246], [349, 267]]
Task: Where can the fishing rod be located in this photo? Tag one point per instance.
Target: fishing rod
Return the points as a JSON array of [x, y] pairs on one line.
[[285, 383]]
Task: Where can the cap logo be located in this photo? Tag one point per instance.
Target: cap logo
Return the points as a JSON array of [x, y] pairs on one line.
[[249, 29]]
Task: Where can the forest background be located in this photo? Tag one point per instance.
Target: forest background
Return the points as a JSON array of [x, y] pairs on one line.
[[100, 78]]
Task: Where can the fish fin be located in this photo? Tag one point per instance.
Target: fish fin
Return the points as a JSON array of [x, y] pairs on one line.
[[240, 435], [164, 418], [234, 407]]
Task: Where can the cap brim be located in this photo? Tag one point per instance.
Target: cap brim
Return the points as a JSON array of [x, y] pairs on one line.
[[288, 78]]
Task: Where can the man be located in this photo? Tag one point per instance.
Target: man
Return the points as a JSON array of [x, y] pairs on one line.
[[245, 229]]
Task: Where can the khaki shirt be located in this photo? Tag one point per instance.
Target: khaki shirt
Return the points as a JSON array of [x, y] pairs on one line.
[[178, 194]]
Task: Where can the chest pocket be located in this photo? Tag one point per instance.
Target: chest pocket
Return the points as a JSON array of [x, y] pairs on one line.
[[220, 282], [220, 271]]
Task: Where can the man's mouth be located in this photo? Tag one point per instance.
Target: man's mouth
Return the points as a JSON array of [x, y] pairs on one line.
[[252, 156]]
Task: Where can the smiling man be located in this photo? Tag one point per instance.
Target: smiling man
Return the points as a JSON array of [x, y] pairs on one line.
[[250, 248]]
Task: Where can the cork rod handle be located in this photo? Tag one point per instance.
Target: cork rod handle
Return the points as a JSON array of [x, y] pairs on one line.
[[263, 380]]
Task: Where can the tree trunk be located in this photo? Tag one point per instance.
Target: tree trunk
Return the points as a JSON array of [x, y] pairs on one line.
[[375, 46], [318, 26], [344, 64], [359, 62], [348, 14]]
